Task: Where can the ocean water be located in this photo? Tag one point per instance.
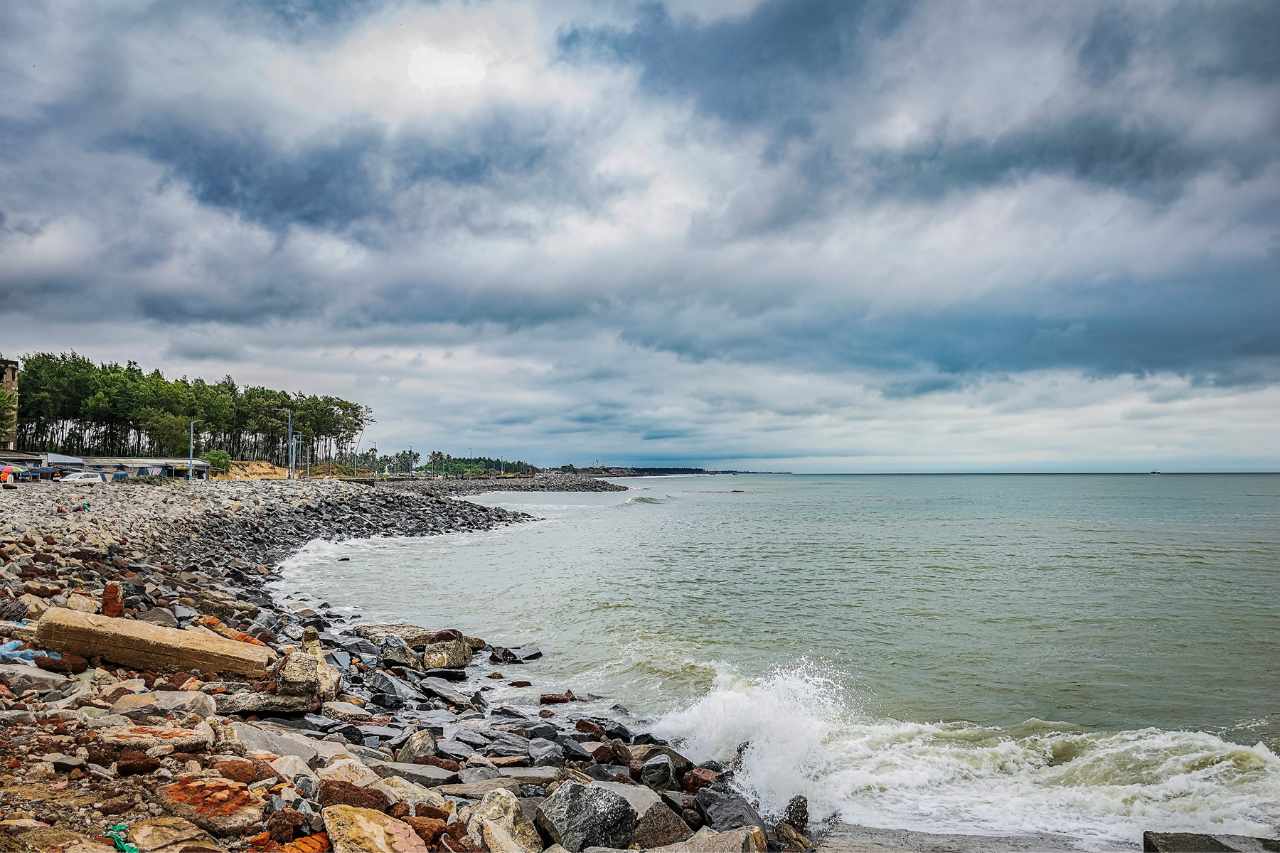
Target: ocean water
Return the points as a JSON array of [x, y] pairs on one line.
[[1089, 656]]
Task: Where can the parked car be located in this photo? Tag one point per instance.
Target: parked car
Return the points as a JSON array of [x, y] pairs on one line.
[[83, 478]]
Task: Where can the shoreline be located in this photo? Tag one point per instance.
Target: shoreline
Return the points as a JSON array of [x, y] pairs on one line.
[[327, 736], [206, 552]]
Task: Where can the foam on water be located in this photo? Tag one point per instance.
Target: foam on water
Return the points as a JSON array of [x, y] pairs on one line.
[[808, 736]]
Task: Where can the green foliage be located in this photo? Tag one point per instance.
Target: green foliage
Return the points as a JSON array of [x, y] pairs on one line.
[[8, 413], [473, 466], [219, 460], [69, 404]]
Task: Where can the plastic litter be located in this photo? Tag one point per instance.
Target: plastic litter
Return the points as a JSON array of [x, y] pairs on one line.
[[12, 652], [119, 835]]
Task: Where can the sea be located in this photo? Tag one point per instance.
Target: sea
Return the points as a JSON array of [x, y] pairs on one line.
[[1088, 656]]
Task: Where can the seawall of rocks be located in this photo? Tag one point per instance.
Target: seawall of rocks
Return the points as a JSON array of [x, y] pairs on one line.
[[153, 696], [547, 481]]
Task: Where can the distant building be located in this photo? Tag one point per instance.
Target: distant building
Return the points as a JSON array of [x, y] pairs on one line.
[[146, 466], [9, 381]]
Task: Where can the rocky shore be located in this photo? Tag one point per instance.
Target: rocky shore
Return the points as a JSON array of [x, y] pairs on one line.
[[546, 481], [154, 697]]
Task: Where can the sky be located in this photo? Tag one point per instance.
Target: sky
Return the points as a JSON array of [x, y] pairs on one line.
[[852, 236]]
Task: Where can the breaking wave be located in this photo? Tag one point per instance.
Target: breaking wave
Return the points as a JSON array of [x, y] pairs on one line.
[[808, 735]]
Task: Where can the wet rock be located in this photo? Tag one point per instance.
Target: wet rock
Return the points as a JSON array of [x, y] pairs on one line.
[[516, 654], [413, 635], [656, 825], [722, 809], [395, 692], [357, 830], [578, 816], [453, 654], [441, 689], [642, 752], [546, 753], [221, 806], [1188, 842], [745, 840], [660, 773], [498, 823], [791, 838], [699, 778], [394, 650], [557, 698], [797, 814]]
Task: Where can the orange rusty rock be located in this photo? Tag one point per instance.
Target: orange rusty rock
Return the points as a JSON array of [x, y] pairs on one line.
[[112, 600], [210, 797], [317, 843]]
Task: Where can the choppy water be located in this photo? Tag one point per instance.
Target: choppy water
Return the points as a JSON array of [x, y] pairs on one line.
[[1087, 655]]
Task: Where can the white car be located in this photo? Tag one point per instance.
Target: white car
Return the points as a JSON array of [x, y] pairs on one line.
[[83, 478]]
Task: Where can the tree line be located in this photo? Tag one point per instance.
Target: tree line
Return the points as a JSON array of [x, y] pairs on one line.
[[69, 404], [438, 462]]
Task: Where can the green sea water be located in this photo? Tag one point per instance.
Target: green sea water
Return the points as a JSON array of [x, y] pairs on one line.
[[1090, 655]]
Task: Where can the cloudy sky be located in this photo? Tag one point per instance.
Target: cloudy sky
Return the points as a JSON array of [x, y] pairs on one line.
[[819, 236]]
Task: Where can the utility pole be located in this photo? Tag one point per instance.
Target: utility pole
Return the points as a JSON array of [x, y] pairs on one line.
[[191, 449], [290, 412]]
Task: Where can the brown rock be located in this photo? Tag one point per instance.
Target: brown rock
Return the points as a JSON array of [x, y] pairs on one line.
[[134, 763], [73, 664], [557, 698], [428, 828], [699, 778], [112, 600], [593, 729], [334, 792], [244, 770], [284, 824]]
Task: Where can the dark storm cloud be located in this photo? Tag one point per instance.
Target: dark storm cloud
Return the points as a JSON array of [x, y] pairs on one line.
[[682, 219], [758, 68], [331, 183], [785, 66]]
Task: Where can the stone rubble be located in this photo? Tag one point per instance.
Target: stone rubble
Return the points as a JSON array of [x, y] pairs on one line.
[[152, 686]]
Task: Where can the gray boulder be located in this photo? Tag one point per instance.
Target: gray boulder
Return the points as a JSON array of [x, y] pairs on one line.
[[578, 816], [722, 809], [546, 753], [659, 772], [420, 744], [1189, 842], [656, 824]]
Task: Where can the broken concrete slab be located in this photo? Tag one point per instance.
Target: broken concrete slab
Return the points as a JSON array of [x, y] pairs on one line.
[[138, 644]]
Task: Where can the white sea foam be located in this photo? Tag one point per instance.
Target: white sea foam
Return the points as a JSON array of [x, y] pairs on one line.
[[808, 736]]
